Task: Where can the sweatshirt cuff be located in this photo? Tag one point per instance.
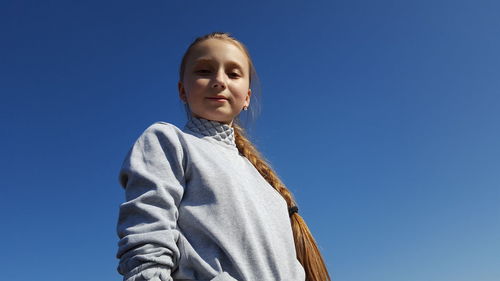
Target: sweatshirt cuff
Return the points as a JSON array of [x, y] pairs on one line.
[[152, 273], [224, 276]]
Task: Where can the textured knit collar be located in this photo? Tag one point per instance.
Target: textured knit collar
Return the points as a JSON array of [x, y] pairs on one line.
[[214, 129]]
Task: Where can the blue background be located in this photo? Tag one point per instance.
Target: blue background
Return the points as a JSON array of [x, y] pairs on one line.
[[381, 116]]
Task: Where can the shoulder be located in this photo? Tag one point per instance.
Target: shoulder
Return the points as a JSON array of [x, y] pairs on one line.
[[160, 136], [158, 148], [161, 139], [162, 129]]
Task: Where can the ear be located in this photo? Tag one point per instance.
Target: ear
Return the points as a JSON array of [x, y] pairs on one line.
[[182, 92], [247, 98]]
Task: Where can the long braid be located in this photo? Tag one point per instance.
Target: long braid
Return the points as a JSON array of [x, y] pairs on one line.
[[307, 251]]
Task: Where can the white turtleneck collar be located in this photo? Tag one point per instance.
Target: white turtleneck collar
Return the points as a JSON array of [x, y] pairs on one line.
[[217, 130]]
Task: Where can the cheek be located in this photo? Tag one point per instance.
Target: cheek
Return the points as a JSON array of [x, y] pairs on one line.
[[195, 85], [242, 91]]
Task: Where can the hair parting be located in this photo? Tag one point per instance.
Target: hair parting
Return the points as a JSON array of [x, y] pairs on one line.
[[306, 248]]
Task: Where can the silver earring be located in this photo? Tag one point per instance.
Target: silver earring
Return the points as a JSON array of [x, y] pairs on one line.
[[245, 108]]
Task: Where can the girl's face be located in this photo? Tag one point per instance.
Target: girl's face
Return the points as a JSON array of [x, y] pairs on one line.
[[216, 82]]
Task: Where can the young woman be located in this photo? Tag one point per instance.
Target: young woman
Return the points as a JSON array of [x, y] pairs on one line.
[[201, 203]]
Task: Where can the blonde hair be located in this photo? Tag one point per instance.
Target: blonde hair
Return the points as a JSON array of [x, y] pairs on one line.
[[307, 251]]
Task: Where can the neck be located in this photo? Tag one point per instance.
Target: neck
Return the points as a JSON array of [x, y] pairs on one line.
[[230, 122]]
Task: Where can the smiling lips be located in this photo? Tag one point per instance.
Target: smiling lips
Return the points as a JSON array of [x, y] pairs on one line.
[[218, 98]]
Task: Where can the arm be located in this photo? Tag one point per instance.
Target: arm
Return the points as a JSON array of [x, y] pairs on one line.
[[153, 177]]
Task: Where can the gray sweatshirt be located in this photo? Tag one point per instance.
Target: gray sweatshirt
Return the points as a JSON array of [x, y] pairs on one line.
[[196, 209]]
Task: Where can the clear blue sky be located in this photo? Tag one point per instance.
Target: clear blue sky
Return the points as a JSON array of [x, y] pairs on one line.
[[383, 118]]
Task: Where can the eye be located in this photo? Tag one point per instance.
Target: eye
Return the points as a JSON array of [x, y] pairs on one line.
[[202, 71], [234, 74]]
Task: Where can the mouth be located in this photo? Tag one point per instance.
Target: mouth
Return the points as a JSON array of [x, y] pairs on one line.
[[220, 99]]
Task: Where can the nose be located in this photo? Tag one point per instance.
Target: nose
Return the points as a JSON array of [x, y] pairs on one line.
[[219, 80]]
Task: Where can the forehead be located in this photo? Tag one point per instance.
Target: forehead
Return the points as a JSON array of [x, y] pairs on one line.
[[218, 50]]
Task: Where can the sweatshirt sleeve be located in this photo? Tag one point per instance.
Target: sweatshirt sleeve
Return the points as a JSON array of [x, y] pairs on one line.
[[152, 175]]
